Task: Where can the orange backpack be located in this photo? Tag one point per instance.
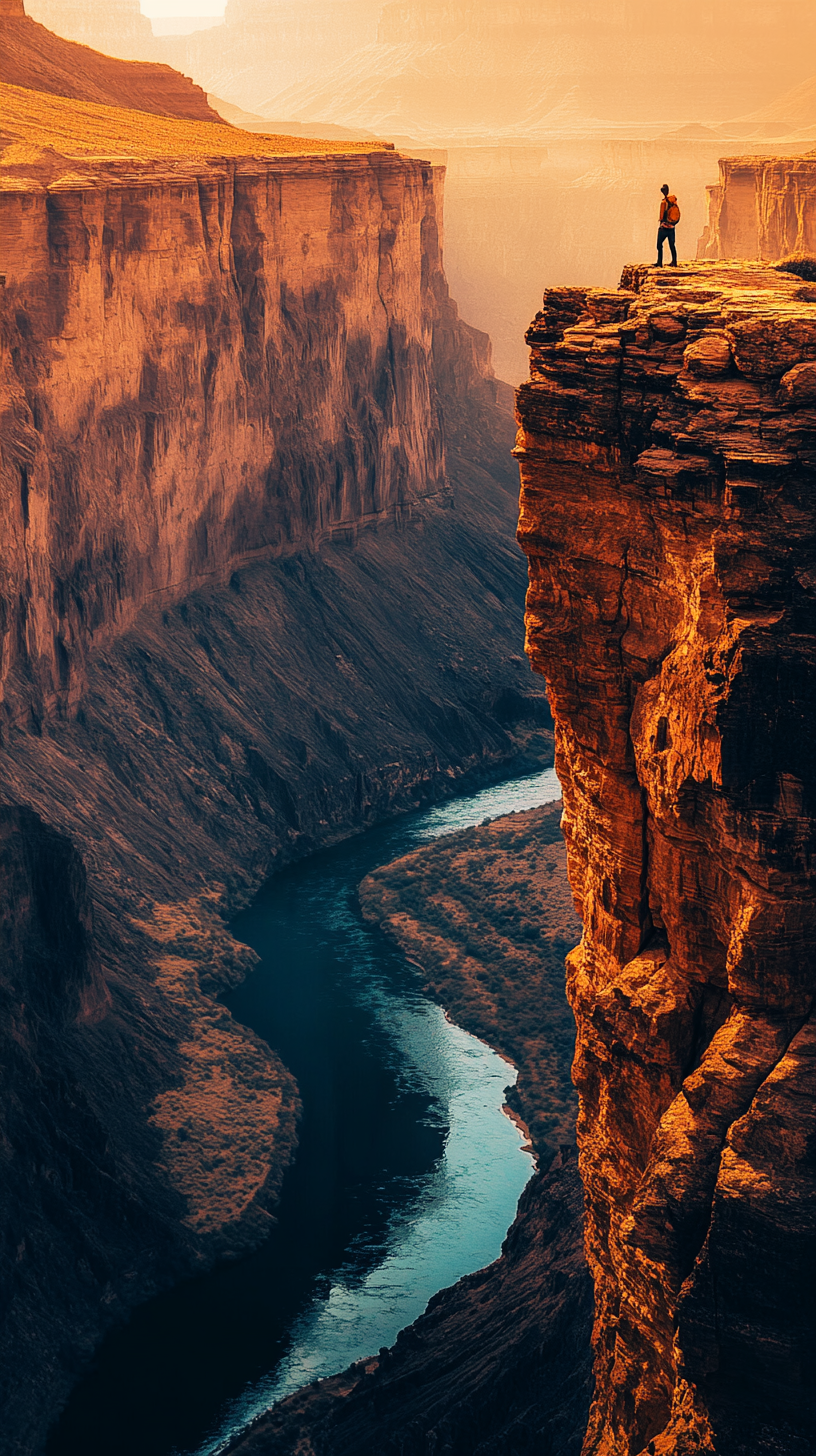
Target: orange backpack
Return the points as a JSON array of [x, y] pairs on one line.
[[672, 215]]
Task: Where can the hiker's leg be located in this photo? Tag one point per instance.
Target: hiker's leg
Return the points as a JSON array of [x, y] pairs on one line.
[[661, 238], [672, 248]]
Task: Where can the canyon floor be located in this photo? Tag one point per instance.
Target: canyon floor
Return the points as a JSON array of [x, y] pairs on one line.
[[500, 1363], [218, 739]]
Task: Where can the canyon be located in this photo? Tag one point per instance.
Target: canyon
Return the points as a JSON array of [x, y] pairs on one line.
[[245, 438], [666, 449], [488, 68], [260, 592], [501, 1361]]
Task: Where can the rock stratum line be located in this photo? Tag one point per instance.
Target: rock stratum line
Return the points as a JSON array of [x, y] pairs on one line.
[[667, 450]]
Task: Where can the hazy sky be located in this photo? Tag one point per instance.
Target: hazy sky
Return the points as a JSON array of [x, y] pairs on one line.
[[182, 7]]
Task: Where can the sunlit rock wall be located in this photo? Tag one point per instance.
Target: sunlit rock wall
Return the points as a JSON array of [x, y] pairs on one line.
[[668, 511], [201, 367], [762, 207]]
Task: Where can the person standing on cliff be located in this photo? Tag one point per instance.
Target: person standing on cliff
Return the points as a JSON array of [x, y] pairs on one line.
[[669, 218]]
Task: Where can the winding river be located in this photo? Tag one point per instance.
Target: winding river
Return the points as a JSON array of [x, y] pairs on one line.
[[407, 1174]]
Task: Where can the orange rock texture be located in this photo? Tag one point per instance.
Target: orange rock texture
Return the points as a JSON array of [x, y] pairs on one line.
[[201, 361], [221, 359], [762, 207], [667, 449], [31, 55]]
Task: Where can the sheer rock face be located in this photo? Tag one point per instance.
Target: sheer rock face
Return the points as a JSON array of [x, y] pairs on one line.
[[199, 366], [762, 207], [669, 514], [212, 379]]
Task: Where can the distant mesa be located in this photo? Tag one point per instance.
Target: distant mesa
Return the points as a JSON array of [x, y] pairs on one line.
[[35, 58], [184, 24], [425, 69], [116, 27]]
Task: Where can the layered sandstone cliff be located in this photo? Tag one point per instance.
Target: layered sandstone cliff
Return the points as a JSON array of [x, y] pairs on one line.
[[762, 207], [668, 463], [259, 591], [205, 374]]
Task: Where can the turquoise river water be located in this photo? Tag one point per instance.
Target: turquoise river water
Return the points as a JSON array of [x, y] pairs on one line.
[[406, 1177]]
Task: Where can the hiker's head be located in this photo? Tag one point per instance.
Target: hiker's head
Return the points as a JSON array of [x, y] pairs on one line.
[[665, 189]]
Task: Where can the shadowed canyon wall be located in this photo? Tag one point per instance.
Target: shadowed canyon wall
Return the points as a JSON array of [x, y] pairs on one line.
[[260, 591], [667, 461]]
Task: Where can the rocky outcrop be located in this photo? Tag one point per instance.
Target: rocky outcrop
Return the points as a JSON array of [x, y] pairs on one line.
[[667, 460], [259, 591], [762, 207], [34, 57]]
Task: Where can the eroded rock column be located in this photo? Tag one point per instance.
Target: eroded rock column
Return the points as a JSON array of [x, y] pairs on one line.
[[668, 463]]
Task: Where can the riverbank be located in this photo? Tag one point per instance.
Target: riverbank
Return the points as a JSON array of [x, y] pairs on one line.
[[487, 918], [503, 1357], [407, 1175], [498, 1364]]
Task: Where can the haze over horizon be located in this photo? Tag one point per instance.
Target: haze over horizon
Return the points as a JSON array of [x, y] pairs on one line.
[[552, 118]]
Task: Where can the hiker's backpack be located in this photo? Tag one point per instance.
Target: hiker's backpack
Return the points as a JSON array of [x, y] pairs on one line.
[[672, 217]]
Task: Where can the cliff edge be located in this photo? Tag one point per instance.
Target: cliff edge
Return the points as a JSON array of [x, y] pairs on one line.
[[667, 450]]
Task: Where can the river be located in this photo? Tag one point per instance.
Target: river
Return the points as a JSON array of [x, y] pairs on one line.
[[407, 1173]]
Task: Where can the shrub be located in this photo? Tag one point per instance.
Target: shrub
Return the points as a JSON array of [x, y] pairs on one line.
[[803, 266]]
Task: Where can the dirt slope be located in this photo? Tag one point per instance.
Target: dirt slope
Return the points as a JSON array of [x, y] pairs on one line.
[[34, 57]]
